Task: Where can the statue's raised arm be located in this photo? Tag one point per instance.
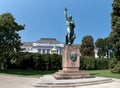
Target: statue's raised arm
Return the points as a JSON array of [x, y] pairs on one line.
[[65, 12]]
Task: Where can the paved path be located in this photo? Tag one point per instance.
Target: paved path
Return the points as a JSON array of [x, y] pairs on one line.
[[115, 84], [10, 81]]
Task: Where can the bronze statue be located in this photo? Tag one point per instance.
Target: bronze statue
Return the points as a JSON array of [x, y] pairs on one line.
[[70, 37]]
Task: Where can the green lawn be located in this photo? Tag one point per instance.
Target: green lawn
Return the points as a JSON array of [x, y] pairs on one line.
[[25, 72], [104, 73], [101, 73]]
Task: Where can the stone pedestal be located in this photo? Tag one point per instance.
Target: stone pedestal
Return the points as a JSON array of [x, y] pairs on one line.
[[68, 63], [71, 64]]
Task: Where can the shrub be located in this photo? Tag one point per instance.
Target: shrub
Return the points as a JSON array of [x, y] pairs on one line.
[[101, 63], [89, 63], [25, 61], [114, 66], [36, 61]]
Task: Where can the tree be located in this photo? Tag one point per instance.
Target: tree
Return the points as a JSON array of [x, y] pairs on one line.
[[101, 47], [87, 46], [115, 35], [104, 46], [9, 38], [108, 47]]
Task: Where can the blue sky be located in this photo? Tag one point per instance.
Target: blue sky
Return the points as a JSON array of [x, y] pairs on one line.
[[45, 18]]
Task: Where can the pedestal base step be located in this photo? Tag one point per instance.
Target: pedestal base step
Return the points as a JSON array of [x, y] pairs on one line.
[[72, 75], [50, 82]]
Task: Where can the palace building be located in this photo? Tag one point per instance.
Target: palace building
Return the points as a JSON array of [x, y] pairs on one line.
[[44, 46]]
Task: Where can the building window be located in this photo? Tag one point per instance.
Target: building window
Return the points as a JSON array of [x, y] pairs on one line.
[[48, 51], [23, 48], [43, 51], [27, 49], [39, 50], [57, 51]]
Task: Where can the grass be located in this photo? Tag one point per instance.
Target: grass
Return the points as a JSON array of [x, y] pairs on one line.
[[25, 72], [100, 73], [104, 73]]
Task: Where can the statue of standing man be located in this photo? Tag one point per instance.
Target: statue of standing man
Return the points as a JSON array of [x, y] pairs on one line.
[[70, 36]]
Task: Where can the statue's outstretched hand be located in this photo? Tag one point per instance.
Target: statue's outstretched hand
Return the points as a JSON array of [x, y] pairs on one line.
[[65, 9]]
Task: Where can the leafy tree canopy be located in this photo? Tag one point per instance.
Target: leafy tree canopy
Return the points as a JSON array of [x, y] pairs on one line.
[[115, 36], [10, 41], [104, 47], [87, 46]]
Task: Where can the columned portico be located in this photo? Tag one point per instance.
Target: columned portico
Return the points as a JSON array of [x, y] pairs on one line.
[[45, 46]]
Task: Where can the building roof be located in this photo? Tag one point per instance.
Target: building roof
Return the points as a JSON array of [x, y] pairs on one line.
[[49, 41], [27, 44]]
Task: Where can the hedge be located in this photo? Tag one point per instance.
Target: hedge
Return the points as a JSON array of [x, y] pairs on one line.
[[90, 63], [36, 61]]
